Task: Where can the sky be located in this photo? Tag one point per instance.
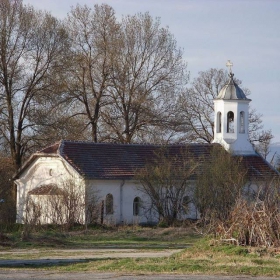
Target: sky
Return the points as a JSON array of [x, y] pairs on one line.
[[210, 32]]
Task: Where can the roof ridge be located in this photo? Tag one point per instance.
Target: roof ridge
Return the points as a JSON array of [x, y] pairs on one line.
[[60, 147], [132, 144], [46, 147], [109, 143]]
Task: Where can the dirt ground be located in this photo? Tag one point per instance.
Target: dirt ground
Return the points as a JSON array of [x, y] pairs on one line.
[[53, 275], [24, 257]]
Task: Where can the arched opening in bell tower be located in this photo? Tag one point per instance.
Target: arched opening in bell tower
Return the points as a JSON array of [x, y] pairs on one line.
[[230, 122], [219, 122], [242, 122]]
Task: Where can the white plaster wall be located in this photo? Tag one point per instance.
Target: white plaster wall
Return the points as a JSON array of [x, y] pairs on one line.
[[101, 188], [131, 191], [124, 192], [43, 171], [193, 213]]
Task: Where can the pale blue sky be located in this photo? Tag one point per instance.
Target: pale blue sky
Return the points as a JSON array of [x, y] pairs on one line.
[[212, 31]]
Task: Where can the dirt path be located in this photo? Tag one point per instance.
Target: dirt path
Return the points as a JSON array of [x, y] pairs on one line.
[[23, 257], [53, 275]]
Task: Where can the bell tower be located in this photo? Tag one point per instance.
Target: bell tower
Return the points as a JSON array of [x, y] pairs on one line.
[[231, 126]]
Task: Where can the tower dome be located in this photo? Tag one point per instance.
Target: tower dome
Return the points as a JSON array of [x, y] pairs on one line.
[[231, 91]]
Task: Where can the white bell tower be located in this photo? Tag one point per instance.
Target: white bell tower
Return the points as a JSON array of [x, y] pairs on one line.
[[231, 125]]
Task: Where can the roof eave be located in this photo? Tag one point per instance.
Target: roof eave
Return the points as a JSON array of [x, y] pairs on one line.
[[29, 161]]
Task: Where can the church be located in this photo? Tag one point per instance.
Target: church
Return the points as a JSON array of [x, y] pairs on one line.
[[105, 172]]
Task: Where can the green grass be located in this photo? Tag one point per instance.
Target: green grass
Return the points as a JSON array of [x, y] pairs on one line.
[[121, 237], [203, 256], [179, 264]]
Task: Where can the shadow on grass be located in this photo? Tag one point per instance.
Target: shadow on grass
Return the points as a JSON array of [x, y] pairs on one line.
[[42, 263]]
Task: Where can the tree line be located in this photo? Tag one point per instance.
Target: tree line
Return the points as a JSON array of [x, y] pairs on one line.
[[94, 77]]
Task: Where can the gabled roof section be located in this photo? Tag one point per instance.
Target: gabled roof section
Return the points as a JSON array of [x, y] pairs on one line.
[[50, 189], [258, 167], [50, 151], [120, 161], [53, 149]]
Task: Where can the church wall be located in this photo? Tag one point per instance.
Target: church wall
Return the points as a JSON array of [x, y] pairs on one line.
[[54, 170], [43, 171], [124, 192]]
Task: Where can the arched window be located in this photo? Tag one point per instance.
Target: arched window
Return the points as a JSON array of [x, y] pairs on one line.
[[230, 122], [242, 122], [185, 204], [219, 122], [136, 206], [109, 204]]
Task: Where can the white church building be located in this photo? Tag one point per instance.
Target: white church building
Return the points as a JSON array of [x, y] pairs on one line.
[[106, 171]]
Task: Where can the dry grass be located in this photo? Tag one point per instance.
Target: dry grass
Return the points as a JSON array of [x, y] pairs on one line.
[[203, 257], [126, 236]]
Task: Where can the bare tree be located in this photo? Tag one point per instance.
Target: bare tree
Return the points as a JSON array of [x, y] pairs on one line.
[[166, 181], [263, 143], [54, 122], [220, 183], [33, 213], [94, 38], [65, 204], [148, 71], [196, 109], [31, 45], [7, 190]]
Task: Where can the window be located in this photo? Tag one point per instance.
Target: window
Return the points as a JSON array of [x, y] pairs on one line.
[[242, 122], [219, 122], [109, 203], [136, 206], [185, 204], [230, 122]]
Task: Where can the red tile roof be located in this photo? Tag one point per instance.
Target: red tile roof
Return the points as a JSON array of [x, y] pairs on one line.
[[258, 167], [120, 161], [50, 189], [51, 149]]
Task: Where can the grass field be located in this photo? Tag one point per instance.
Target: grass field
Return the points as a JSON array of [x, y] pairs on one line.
[[122, 237], [199, 255]]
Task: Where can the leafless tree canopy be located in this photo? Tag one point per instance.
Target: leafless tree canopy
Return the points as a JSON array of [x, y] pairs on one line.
[[31, 44], [96, 77], [148, 70], [166, 181], [94, 36]]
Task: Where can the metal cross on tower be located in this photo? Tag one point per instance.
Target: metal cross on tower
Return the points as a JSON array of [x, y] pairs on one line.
[[229, 65]]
